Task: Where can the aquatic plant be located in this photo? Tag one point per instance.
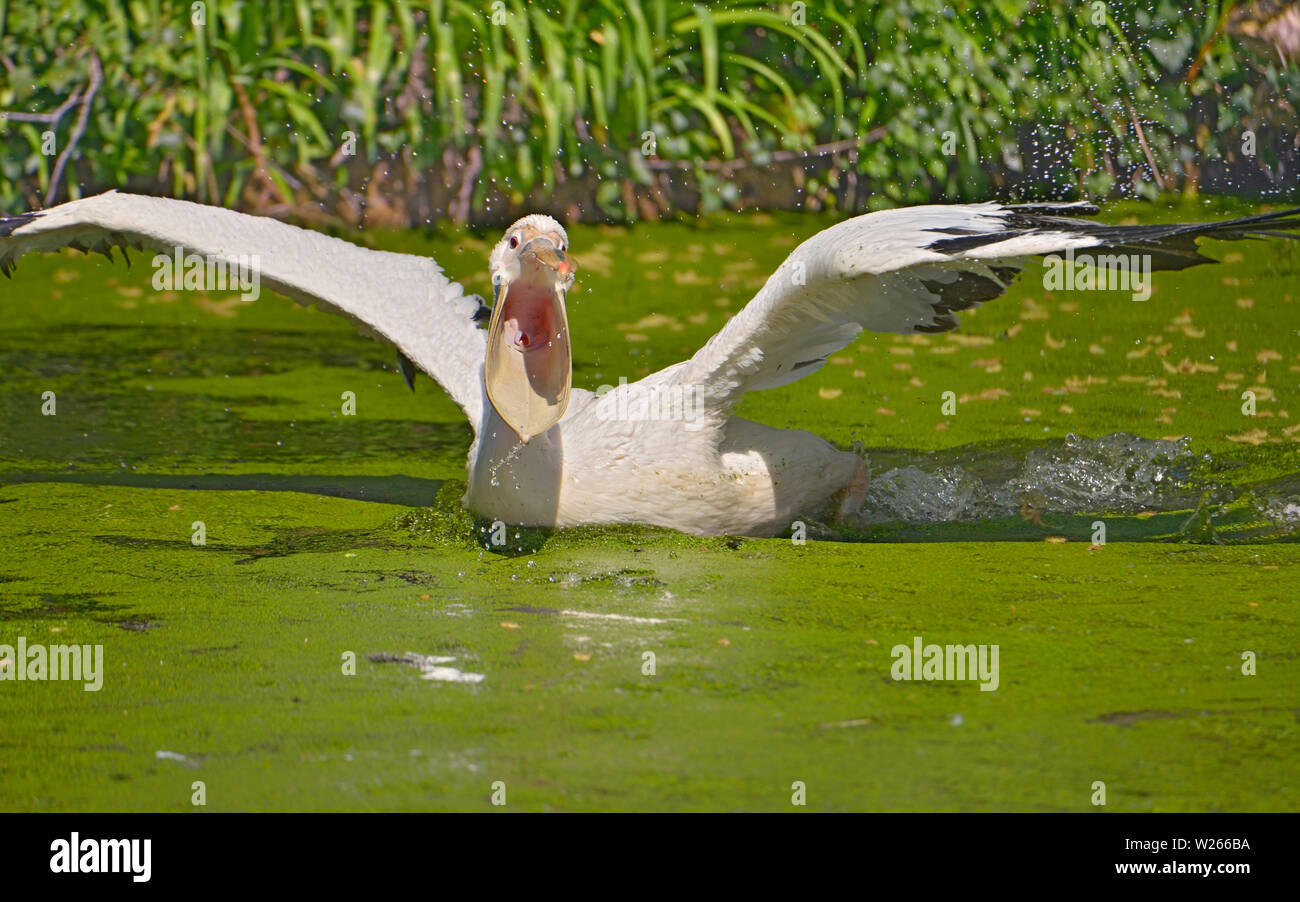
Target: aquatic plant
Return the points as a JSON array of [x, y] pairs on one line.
[[622, 109]]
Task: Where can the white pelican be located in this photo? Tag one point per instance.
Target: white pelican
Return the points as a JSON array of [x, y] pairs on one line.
[[666, 450]]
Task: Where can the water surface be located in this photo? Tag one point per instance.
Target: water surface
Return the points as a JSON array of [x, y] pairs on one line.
[[331, 535]]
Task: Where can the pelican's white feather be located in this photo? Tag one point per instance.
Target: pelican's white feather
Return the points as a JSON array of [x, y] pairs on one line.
[[405, 299], [877, 272]]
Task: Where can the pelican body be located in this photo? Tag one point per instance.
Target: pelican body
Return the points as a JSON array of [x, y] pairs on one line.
[[666, 450], [729, 476]]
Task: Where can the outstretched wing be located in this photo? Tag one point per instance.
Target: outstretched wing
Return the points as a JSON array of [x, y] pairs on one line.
[[405, 299], [911, 270]]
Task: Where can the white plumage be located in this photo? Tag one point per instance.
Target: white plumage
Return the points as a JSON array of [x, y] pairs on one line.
[[698, 469], [403, 298]]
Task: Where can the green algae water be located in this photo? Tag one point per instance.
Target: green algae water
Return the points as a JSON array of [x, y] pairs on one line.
[[345, 638]]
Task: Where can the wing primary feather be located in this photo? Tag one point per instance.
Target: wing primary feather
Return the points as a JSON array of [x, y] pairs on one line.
[[8, 224], [1071, 208], [911, 270], [408, 369], [954, 246], [406, 300]]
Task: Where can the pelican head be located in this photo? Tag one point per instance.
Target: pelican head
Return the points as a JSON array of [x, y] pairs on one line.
[[529, 367]]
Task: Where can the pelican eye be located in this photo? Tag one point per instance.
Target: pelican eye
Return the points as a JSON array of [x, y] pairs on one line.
[[514, 241]]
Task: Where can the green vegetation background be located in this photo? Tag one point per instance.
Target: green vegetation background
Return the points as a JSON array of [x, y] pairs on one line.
[[404, 112]]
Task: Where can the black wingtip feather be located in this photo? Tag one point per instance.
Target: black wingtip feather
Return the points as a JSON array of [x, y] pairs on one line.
[[9, 224], [1075, 208], [1170, 246], [407, 368]]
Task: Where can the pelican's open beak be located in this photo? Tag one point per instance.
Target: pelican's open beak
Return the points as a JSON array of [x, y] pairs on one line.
[[529, 367]]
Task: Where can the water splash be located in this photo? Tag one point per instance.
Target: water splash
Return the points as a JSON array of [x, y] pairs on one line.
[[496, 467], [948, 494], [1115, 473], [1282, 508]]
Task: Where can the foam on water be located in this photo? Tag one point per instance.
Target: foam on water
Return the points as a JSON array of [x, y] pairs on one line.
[[625, 618], [434, 667]]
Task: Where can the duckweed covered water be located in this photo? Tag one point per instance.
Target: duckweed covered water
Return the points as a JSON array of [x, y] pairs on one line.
[[333, 539]]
